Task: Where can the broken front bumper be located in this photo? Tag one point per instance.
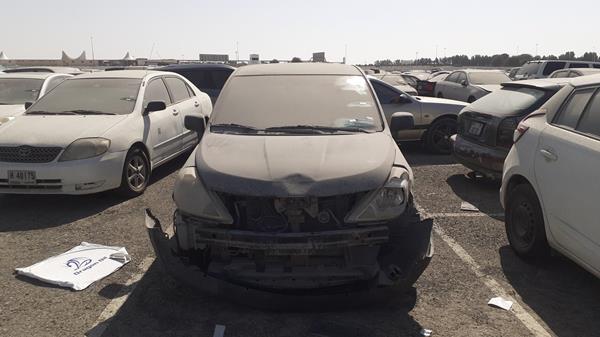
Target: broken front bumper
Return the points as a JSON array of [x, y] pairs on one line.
[[300, 263]]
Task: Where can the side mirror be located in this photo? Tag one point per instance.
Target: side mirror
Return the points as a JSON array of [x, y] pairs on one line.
[[154, 106], [401, 121], [464, 83], [28, 104], [195, 123], [403, 98]]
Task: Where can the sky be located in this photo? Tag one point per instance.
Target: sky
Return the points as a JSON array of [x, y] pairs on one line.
[[370, 30]]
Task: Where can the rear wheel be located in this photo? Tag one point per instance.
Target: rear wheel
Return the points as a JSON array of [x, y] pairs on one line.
[[437, 139], [440, 95], [525, 223], [136, 173]]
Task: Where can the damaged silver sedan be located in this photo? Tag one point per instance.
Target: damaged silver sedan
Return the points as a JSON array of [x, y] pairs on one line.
[[297, 187]]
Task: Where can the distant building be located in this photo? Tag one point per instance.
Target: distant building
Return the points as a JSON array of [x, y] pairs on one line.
[[254, 59], [82, 62], [319, 57], [214, 58]]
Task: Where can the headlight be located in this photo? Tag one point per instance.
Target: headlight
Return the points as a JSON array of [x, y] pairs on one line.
[[84, 148], [192, 197], [386, 203], [5, 119]]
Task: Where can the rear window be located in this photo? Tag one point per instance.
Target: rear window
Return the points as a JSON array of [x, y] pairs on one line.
[[508, 101], [491, 77]]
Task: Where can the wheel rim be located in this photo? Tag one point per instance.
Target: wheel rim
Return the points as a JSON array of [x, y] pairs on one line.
[[137, 172], [523, 226], [441, 136]]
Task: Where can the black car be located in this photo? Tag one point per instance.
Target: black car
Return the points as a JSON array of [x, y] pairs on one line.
[[210, 78], [486, 127]]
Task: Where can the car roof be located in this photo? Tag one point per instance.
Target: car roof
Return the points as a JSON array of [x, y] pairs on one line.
[[479, 70], [34, 75], [60, 70], [122, 74], [585, 80], [542, 83], [586, 70], [196, 66], [298, 69]]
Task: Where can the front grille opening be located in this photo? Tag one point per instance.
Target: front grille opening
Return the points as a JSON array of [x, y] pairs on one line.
[[28, 154]]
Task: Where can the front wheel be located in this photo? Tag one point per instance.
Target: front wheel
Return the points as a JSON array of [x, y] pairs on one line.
[[437, 139], [525, 223], [136, 173]]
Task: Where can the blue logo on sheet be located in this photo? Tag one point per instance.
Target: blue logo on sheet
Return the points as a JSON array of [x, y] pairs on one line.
[[78, 262]]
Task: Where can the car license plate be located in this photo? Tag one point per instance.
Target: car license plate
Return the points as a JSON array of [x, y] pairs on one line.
[[21, 177], [475, 128]]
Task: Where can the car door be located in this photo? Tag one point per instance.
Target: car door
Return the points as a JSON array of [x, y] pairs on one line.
[[186, 102], [163, 127], [462, 89], [448, 87], [391, 101], [566, 169]]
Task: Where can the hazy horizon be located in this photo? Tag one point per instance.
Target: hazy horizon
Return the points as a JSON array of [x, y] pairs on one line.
[[380, 30]]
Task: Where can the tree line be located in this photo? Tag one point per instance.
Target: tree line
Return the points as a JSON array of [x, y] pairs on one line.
[[498, 60]]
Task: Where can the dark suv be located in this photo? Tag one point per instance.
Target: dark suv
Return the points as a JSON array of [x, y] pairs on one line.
[[486, 127], [210, 78]]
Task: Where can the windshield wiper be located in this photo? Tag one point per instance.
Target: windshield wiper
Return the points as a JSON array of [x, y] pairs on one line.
[[233, 126], [91, 112], [316, 128], [49, 113]]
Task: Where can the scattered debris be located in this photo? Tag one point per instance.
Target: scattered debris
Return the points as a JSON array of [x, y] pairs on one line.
[[219, 330], [501, 303], [426, 332], [78, 267], [466, 206]]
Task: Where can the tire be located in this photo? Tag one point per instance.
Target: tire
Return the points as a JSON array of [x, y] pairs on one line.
[[524, 223], [437, 139], [471, 99], [440, 95], [136, 173]]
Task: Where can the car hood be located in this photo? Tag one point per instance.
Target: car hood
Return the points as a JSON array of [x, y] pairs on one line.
[[292, 165], [435, 100], [55, 130], [488, 87], [11, 110]]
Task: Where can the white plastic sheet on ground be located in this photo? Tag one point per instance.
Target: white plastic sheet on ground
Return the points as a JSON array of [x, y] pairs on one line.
[[79, 267]]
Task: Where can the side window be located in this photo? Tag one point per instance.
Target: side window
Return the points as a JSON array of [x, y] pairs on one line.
[[177, 88], [553, 66], [596, 65], [579, 65], [384, 94], [54, 82], [574, 74], [560, 74], [461, 77], [452, 77], [574, 108], [590, 121], [156, 91], [190, 91]]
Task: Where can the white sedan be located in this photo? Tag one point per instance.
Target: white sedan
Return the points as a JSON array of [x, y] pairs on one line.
[[98, 132], [16, 89], [550, 183]]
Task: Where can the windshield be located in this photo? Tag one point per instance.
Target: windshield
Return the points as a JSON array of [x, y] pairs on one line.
[[19, 90], [330, 101], [508, 101], [90, 96], [491, 77], [393, 79]]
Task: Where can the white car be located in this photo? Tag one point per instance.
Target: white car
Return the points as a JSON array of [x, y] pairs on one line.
[[98, 132], [469, 85], [16, 89], [435, 118], [550, 183]]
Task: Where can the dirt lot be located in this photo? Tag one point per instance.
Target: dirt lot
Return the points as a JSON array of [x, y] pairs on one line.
[[472, 263]]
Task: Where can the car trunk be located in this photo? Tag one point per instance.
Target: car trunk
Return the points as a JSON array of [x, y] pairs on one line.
[[479, 127]]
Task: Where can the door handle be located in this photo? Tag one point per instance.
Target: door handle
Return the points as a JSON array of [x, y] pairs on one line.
[[549, 155], [175, 112], [196, 104]]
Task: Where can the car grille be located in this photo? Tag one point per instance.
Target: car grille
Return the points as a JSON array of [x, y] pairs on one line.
[[28, 154]]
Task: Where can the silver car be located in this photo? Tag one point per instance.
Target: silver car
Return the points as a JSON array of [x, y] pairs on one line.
[[435, 118], [468, 85]]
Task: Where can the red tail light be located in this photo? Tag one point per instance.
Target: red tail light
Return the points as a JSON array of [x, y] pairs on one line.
[[522, 127]]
